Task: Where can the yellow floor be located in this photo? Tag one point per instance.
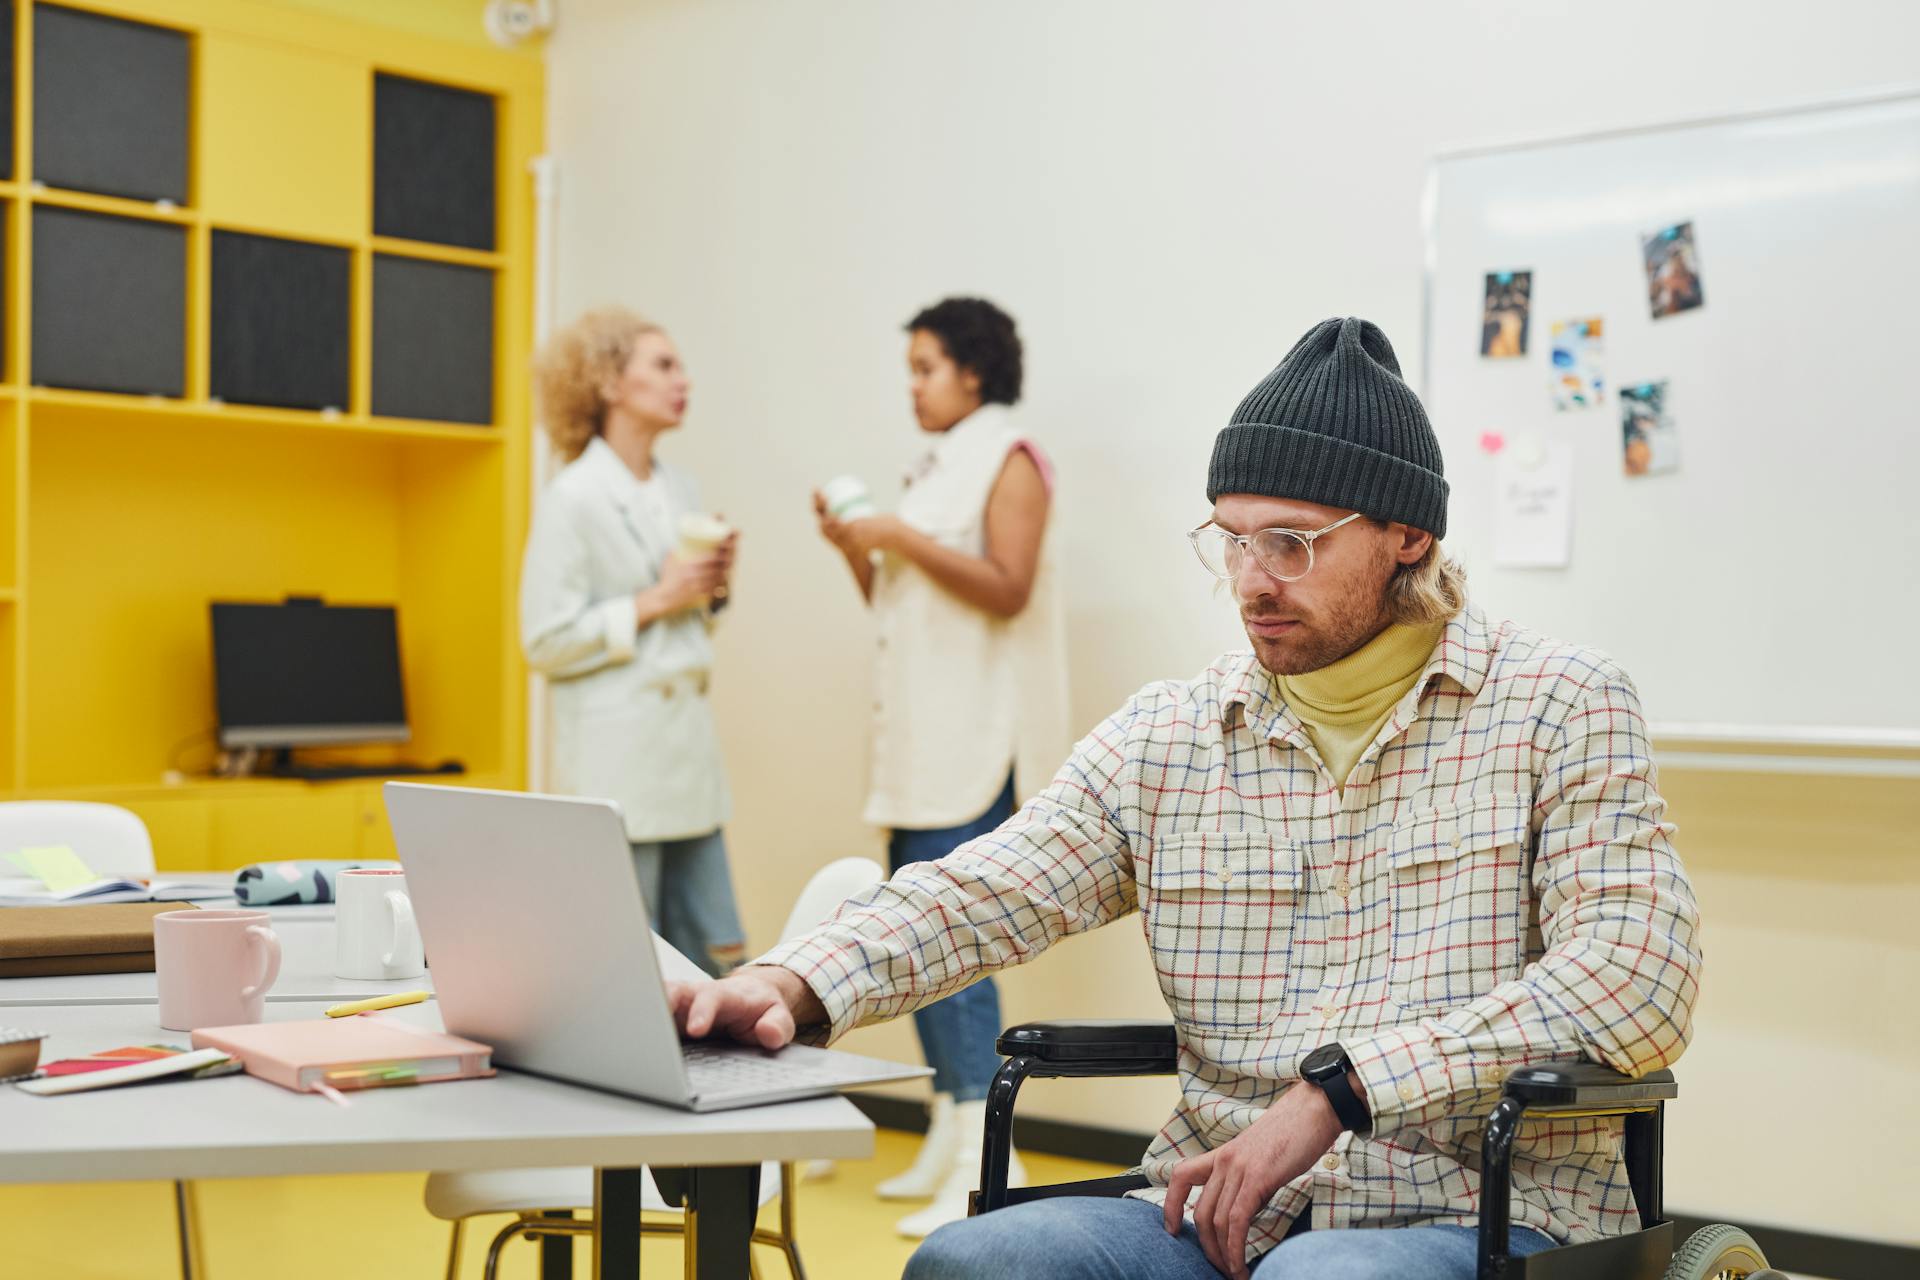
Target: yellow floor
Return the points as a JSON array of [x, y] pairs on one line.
[[372, 1227]]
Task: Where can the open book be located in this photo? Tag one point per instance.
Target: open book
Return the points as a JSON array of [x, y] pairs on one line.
[[53, 875], [21, 891]]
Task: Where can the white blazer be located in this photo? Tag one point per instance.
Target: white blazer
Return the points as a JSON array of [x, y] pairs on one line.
[[631, 721]]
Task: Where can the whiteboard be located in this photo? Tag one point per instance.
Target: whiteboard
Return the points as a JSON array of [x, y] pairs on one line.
[[1766, 588]]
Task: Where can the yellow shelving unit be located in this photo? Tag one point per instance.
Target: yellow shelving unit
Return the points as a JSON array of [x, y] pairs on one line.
[[126, 514]]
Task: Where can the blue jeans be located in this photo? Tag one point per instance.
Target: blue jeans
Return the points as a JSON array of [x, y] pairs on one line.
[[957, 1033], [1082, 1238], [690, 897]]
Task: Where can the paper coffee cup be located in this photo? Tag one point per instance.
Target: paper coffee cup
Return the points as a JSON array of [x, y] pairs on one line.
[[701, 535], [847, 498]]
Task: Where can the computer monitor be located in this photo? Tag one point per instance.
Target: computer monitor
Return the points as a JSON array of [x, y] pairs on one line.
[[303, 673]]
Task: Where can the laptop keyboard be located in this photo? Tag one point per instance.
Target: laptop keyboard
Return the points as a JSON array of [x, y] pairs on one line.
[[720, 1069]]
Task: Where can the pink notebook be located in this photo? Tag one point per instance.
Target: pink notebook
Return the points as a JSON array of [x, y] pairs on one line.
[[347, 1053]]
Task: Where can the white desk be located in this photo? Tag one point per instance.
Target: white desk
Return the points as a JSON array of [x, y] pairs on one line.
[[237, 1126], [306, 970]]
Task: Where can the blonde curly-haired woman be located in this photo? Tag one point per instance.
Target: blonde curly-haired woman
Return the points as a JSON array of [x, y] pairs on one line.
[[618, 620]]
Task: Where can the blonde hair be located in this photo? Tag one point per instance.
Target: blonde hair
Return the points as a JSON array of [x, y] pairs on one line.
[[576, 362], [1431, 589]]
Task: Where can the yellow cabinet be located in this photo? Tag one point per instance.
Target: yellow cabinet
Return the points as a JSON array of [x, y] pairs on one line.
[[178, 822], [222, 826], [302, 821], [373, 833]]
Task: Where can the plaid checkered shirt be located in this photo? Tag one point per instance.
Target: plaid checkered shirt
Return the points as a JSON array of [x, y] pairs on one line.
[[1494, 888]]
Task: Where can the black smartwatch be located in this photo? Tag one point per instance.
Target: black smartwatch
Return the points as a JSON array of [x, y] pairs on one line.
[[1327, 1067]]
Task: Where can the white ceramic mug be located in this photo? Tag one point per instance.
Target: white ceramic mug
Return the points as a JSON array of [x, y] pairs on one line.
[[213, 968], [375, 938], [847, 498]]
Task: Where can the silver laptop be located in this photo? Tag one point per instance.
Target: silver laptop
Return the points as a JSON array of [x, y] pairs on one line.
[[540, 946]]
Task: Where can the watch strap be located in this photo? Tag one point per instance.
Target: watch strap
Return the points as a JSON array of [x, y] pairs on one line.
[[1348, 1106]]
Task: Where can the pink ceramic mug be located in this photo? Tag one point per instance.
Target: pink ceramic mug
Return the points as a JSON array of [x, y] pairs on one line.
[[214, 967]]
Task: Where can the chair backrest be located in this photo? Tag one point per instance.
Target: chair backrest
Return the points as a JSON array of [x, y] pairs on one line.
[[109, 839], [831, 885]]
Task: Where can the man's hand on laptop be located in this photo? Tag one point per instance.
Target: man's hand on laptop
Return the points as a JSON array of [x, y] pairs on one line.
[[759, 1004]]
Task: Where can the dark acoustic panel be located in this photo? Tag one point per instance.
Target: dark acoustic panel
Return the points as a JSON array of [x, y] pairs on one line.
[[109, 303], [109, 105], [6, 89], [280, 322], [432, 340], [433, 175]]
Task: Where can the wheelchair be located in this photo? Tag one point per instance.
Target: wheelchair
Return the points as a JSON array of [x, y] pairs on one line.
[[1098, 1047]]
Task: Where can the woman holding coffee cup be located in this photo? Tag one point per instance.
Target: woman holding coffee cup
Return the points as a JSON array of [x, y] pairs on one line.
[[622, 574], [970, 691]]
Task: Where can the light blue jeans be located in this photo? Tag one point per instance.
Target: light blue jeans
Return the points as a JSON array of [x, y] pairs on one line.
[[689, 894], [1083, 1238], [957, 1034]]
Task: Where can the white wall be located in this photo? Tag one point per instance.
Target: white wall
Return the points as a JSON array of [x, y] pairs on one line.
[[1165, 195]]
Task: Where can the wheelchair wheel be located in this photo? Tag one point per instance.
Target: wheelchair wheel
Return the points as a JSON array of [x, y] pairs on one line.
[[1719, 1252]]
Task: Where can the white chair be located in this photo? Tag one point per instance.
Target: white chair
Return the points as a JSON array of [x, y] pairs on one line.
[[549, 1202], [112, 841]]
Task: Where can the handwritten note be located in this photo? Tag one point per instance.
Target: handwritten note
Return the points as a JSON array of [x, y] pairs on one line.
[[1533, 517]]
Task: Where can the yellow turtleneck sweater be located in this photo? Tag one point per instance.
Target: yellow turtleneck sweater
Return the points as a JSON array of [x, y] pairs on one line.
[[1343, 705]]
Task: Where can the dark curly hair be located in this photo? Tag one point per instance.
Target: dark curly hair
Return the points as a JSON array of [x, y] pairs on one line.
[[978, 336]]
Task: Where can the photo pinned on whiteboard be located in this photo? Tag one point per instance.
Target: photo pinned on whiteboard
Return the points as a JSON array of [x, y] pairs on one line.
[[1673, 270], [1579, 374], [1649, 441], [1503, 314]]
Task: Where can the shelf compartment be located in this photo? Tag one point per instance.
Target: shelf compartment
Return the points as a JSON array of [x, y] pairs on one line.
[[133, 531], [110, 104], [432, 340], [433, 163], [109, 303], [280, 315]]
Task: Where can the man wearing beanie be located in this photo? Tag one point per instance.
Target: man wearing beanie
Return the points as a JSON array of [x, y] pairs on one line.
[[1384, 857]]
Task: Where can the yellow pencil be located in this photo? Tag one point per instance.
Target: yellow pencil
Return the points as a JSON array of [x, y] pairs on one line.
[[379, 1002]]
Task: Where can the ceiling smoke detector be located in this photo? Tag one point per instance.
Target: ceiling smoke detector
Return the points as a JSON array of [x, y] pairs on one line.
[[514, 22]]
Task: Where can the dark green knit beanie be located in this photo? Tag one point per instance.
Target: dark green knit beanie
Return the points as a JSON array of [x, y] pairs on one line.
[[1335, 424]]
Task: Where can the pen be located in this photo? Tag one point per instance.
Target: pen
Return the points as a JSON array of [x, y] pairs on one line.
[[378, 1002]]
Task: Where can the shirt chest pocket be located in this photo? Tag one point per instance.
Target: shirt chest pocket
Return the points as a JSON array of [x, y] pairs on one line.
[[1220, 916], [1459, 906]]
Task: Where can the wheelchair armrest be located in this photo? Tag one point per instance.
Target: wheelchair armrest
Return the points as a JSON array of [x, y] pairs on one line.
[[1588, 1086], [1080, 1047], [1097, 1046]]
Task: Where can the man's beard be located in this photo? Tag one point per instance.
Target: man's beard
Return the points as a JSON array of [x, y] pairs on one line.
[[1321, 640]]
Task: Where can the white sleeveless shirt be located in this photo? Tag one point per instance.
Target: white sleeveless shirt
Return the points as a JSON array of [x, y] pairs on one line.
[[962, 696]]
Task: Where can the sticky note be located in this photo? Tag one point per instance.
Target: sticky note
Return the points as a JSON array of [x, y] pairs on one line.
[[55, 865]]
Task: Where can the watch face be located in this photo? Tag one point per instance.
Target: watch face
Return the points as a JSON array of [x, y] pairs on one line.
[[1322, 1060]]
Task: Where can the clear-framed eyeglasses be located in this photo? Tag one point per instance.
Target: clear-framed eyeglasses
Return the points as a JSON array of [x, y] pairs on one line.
[[1287, 554]]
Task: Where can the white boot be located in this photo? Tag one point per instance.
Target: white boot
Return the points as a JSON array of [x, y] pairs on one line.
[[935, 1161], [963, 1176]]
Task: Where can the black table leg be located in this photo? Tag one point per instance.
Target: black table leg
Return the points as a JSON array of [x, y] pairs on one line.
[[721, 1206], [556, 1252], [616, 1223]]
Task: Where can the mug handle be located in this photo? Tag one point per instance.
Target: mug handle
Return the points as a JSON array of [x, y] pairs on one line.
[[270, 943], [400, 913]]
